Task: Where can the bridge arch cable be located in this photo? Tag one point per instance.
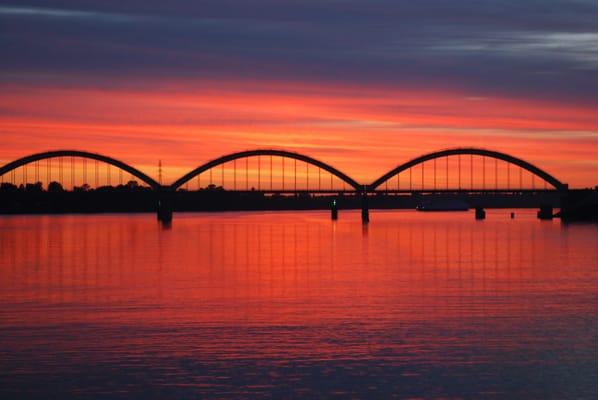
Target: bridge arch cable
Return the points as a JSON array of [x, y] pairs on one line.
[[66, 160], [464, 164], [270, 165]]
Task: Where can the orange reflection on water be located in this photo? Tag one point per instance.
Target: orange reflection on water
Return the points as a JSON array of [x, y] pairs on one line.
[[408, 289], [291, 258]]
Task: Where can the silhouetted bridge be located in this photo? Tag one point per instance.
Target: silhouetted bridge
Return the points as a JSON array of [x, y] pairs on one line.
[[459, 171]]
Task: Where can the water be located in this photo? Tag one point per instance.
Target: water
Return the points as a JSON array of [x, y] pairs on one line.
[[292, 305]]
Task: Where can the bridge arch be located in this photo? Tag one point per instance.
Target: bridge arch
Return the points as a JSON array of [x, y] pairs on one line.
[[471, 151], [82, 154], [265, 152]]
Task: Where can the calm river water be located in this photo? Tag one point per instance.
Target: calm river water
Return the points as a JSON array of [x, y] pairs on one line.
[[292, 305]]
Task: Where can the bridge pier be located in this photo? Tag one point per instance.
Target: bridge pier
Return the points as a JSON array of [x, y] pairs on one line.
[[164, 205], [334, 210], [365, 209], [480, 213]]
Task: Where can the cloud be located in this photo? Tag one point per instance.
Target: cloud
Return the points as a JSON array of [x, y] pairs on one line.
[[62, 14], [482, 47]]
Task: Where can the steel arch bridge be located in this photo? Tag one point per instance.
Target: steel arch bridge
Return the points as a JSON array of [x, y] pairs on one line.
[[165, 200], [81, 154], [356, 186], [557, 184], [266, 152]]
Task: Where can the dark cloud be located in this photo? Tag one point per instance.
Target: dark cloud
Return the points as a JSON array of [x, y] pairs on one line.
[[544, 49]]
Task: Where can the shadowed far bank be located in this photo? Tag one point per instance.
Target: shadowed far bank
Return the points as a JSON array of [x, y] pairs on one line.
[[132, 197]]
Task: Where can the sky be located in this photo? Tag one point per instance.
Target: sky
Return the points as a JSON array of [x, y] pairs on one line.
[[361, 85]]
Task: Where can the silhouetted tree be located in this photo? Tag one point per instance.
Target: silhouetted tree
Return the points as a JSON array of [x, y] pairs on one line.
[[55, 187], [132, 185], [211, 186], [8, 187], [34, 187], [83, 188]]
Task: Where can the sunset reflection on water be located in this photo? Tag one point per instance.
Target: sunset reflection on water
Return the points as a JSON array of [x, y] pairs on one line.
[[291, 304]]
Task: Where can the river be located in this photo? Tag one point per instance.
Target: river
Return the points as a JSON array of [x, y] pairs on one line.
[[294, 305]]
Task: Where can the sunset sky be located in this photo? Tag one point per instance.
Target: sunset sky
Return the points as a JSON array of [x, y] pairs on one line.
[[362, 85]]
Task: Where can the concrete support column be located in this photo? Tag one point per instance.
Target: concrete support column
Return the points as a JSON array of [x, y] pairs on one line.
[[365, 208], [334, 210], [164, 205], [480, 213]]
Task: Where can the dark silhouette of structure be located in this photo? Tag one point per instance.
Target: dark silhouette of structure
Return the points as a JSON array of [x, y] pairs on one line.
[[265, 152], [83, 154], [166, 198], [471, 151]]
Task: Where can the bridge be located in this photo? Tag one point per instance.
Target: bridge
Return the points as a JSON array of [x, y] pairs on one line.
[[464, 172]]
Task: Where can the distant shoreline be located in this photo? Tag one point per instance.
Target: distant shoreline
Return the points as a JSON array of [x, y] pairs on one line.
[[32, 200]]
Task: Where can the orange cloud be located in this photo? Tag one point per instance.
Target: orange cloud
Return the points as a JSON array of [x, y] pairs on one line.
[[363, 131]]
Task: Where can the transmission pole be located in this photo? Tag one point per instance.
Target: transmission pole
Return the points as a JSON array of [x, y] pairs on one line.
[[160, 172]]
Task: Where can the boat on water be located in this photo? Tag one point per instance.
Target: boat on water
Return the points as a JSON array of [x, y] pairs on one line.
[[442, 205]]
